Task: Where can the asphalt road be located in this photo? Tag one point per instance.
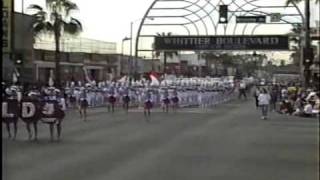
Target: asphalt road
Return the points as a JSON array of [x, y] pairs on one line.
[[228, 142]]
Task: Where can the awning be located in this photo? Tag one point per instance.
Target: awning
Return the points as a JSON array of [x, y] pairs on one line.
[[45, 64]]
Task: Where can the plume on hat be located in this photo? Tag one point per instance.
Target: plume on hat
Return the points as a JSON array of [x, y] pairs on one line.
[[51, 83]]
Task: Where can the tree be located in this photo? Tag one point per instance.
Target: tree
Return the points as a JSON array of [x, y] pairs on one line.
[[166, 53], [213, 56], [56, 20], [227, 60], [295, 39], [282, 62]]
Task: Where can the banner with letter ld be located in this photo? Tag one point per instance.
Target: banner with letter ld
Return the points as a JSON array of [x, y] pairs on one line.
[[246, 42], [31, 110]]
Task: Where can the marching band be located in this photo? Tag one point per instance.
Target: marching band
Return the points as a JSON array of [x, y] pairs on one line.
[[49, 104]]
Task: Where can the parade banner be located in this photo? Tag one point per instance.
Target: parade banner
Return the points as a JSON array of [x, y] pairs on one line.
[[30, 110], [51, 111], [192, 43], [7, 10], [10, 110]]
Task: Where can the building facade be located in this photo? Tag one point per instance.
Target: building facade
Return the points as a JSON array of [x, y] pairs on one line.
[[34, 59]]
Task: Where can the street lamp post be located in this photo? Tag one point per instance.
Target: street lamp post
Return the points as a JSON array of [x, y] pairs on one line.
[[199, 64], [122, 53], [22, 6], [131, 27], [131, 46], [307, 42]]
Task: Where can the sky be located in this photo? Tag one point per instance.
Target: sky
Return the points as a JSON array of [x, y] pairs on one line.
[[104, 20], [108, 20]]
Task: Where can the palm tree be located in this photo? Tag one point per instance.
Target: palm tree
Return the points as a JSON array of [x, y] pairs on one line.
[[57, 21], [227, 61], [166, 54]]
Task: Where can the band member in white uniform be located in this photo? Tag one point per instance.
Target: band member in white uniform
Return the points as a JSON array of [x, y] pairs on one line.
[[165, 101], [83, 103], [147, 102], [173, 96], [125, 98], [111, 99]]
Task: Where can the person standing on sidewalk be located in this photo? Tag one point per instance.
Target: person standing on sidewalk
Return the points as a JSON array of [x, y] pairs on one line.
[[264, 100], [242, 89], [274, 99], [256, 95]]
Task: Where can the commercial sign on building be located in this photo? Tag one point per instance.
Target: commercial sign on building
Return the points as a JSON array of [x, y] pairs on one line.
[[6, 25], [251, 19], [191, 43]]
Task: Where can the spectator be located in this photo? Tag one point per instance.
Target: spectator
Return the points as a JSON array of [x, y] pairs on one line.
[[274, 99], [264, 100], [284, 93], [307, 110], [256, 95], [286, 107], [298, 106], [242, 90]]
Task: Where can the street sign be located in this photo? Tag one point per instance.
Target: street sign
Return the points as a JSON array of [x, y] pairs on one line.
[[193, 43], [251, 19], [275, 17]]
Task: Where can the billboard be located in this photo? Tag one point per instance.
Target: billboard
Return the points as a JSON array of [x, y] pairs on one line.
[[245, 42], [7, 9]]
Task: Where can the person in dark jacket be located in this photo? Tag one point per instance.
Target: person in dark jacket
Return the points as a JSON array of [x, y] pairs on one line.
[[274, 99]]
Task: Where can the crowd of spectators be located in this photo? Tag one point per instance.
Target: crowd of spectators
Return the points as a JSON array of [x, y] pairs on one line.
[[291, 99]]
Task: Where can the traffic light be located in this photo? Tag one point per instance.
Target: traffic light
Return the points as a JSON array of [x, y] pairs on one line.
[[308, 56], [18, 60], [223, 14]]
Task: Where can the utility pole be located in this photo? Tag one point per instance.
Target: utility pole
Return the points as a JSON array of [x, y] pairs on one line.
[[199, 64], [22, 7], [130, 61], [307, 45]]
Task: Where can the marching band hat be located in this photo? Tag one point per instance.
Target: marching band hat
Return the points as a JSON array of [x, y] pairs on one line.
[[8, 91], [32, 94]]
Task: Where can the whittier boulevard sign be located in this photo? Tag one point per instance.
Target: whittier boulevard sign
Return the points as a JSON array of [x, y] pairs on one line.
[[262, 42]]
